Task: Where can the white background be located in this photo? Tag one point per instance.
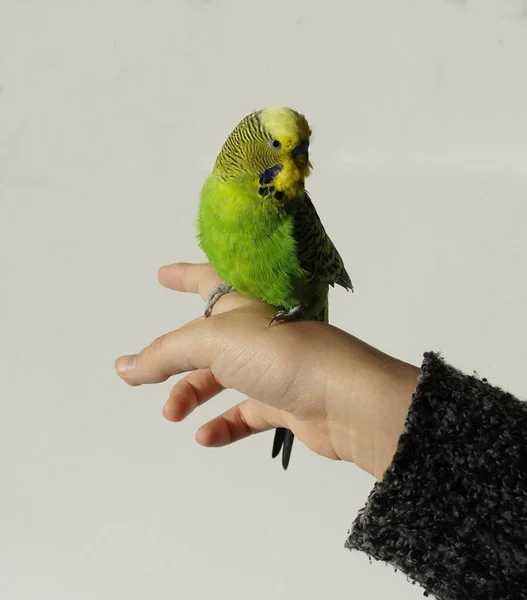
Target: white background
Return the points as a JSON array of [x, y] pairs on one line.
[[112, 113]]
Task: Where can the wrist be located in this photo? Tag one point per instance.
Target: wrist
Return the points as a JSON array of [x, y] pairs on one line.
[[381, 398]]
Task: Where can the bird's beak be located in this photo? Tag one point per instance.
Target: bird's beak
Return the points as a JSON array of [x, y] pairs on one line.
[[301, 153]]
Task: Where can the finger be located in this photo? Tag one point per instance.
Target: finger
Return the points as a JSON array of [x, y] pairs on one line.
[[240, 421], [190, 392], [180, 351], [187, 277]]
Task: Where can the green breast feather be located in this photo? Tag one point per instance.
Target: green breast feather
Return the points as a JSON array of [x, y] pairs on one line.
[[275, 251]]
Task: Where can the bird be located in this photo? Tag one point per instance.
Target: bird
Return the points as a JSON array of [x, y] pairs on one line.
[[259, 228]]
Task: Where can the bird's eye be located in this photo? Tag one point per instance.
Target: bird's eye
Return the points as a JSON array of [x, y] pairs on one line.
[[275, 144]]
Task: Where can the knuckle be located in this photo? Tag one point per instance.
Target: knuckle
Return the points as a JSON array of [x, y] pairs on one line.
[[159, 345], [152, 355], [152, 359]]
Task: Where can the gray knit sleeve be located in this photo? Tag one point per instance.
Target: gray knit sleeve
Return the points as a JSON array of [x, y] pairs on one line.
[[451, 510]]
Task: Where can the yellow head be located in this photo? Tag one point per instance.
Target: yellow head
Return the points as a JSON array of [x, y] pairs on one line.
[[270, 145]]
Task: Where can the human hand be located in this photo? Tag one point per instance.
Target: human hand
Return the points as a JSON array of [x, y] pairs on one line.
[[342, 398]]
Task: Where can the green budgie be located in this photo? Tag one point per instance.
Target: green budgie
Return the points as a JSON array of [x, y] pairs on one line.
[[260, 230]]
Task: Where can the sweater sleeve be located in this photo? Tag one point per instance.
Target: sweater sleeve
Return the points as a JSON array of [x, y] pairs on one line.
[[451, 510]]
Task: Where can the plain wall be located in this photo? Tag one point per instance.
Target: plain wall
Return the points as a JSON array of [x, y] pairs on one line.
[[112, 113]]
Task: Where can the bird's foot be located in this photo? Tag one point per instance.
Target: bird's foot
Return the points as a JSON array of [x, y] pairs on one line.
[[288, 316], [218, 292]]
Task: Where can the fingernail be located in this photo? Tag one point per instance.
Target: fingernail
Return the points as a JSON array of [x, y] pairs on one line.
[[125, 364]]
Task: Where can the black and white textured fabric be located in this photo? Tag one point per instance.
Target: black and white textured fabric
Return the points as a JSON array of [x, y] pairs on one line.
[[451, 510]]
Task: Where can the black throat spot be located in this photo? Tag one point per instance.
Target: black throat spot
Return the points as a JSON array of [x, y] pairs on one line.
[[269, 190]]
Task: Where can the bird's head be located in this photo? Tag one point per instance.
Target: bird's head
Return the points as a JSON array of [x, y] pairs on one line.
[[270, 145]]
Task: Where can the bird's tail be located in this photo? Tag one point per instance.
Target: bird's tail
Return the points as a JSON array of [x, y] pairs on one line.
[[323, 315], [283, 438]]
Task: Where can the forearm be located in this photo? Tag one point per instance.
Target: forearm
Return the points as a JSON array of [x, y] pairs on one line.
[[451, 510]]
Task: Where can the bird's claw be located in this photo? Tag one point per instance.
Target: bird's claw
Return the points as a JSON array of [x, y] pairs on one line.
[[218, 292], [288, 316]]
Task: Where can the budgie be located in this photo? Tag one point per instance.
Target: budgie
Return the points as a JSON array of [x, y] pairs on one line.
[[259, 229]]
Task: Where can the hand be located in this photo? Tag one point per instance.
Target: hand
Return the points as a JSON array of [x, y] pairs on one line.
[[342, 398]]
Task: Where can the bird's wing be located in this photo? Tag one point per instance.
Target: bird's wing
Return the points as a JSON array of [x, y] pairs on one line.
[[316, 253]]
